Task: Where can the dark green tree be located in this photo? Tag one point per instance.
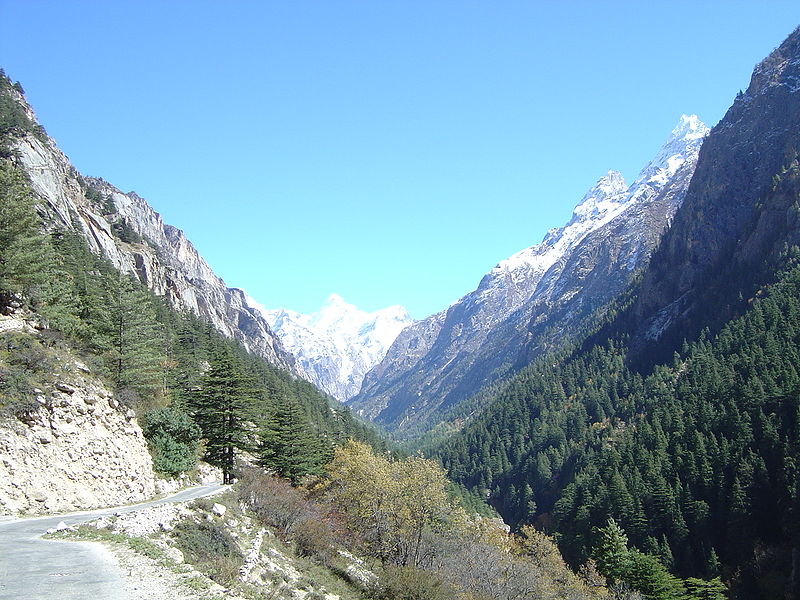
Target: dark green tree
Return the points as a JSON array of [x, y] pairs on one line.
[[23, 249], [647, 575], [700, 589], [220, 408], [287, 443], [611, 552], [135, 354], [173, 439]]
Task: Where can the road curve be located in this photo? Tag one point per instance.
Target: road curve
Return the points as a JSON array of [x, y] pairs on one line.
[[36, 569]]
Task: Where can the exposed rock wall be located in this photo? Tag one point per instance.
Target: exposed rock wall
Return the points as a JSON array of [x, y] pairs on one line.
[[738, 217], [164, 260], [78, 449]]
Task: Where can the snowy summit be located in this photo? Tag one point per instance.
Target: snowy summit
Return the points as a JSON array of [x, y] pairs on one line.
[[339, 343]]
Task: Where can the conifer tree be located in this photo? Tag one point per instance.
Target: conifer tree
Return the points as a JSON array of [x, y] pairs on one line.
[[173, 439], [135, 355], [611, 552], [646, 574], [287, 443], [23, 249], [219, 407], [699, 589]]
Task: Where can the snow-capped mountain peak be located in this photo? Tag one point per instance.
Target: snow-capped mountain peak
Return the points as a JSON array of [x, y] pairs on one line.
[[604, 196], [339, 343], [604, 200], [689, 127], [686, 138], [535, 298]]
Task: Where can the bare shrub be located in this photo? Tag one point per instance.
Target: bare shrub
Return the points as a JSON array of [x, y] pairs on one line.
[[410, 583], [315, 528], [273, 500], [210, 548]]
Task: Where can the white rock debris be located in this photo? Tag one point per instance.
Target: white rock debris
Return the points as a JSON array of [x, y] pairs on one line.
[[77, 448]]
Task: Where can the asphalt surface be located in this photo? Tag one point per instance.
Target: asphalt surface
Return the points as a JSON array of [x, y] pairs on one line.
[[36, 569]]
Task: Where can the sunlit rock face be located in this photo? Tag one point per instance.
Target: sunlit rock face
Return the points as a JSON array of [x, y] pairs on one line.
[[123, 228]]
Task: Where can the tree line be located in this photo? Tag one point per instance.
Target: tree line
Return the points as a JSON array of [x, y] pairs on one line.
[[697, 461]]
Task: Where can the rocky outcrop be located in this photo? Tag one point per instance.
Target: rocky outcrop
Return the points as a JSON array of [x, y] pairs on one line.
[[266, 566], [536, 299], [128, 232], [739, 216], [78, 448]]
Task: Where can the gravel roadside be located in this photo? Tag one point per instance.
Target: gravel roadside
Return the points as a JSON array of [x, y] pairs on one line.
[[145, 579]]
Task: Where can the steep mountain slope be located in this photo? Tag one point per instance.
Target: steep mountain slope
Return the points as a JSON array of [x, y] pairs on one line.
[[74, 446], [127, 231], [339, 343], [694, 455], [535, 298], [738, 216]]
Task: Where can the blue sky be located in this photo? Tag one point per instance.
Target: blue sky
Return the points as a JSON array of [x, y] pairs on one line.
[[391, 152]]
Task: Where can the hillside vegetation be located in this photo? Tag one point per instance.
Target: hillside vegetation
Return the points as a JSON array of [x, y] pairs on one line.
[[187, 382]]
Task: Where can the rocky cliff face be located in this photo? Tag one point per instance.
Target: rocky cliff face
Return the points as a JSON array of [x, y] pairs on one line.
[[536, 298], [740, 214], [339, 343], [127, 231], [77, 448]]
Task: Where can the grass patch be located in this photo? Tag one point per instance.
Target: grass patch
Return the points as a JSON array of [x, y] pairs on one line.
[[139, 545], [210, 548], [196, 583], [24, 364]]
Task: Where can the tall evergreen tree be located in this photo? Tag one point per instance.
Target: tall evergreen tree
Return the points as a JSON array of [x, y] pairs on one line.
[[23, 249], [136, 353], [219, 407], [611, 552], [287, 443]]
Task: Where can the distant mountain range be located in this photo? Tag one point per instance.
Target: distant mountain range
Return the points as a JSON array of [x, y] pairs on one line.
[[537, 298], [338, 344]]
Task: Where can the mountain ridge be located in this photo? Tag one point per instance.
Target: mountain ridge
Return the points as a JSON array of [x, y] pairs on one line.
[[678, 419], [527, 302], [695, 268], [157, 253]]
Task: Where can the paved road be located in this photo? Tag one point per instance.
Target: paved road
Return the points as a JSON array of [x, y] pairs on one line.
[[35, 569]]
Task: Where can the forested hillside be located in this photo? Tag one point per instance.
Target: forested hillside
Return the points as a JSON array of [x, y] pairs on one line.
[[167, 365], [678, 418], [696, 462]]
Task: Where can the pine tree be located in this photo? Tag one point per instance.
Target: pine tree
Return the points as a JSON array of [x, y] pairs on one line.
[[646, 574], [219, 407], [287, 443], [173, 439], [698, 589], [23, 249], [135, 355], [713, 567], [611, 552]]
